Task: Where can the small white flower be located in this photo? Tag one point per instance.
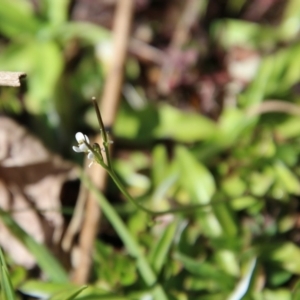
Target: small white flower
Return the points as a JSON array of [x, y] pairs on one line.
[[92, 157], [82, 140]]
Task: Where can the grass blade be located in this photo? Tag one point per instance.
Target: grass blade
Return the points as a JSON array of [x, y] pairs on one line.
[[7, 291], [46, 261]]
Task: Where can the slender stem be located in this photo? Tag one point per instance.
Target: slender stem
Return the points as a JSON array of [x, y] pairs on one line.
[[129, 241], [103, 133], [182, 209], [100, 121], [109, 168]]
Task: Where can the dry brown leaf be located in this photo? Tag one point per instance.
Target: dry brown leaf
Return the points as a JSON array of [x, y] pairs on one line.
[[31, 180], [11, 78]]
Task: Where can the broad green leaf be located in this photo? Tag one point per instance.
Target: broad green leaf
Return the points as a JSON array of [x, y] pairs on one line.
[[18, 57], [17, 20], [232, 124], [289, 180], [43, 63], [296, 291], [183, 126], [278, 294], [258, 88], [260, 182], [205, 270], [234, 186], [226, 217], [290, 128], [44, 76], [276, 276], [235, 32], [288, 154], [44, 290], [140, 124], [287, 28], [195, 177], [57, 11], [227, 261], [41, 289], [86, 32], [287, 256], [70, 294], [198, 182], [243, 202]]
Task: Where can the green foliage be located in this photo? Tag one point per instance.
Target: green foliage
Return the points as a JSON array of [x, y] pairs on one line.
[[45, 259], [243, 167], [6, 288]]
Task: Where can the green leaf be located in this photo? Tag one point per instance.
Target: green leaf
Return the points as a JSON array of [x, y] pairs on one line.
[[232, 124], [244, 285], [205, 270], [195, 177], [69, 294], [296, 290], [234, 186], [140, 124], [57, 11], [18, 57], [290, 128], [160, 163], [45, 259], [7, 291], [40, 289], [129, 241], [159, 253], [17, 20], [183, 126], [289, 180], [287, 255], [86, 32], [44, 76], [278, 294], [198, 182], [243, 202], [261, 182]]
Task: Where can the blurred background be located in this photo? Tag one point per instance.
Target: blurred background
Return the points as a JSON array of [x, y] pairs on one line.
[[208, 111]]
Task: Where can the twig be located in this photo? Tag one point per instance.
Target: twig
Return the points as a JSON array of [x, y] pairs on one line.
[[274, 106], [109, 105], [11, 78], [146, 52]]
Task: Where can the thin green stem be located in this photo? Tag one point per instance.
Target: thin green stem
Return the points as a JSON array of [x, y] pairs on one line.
[[129, 241], [181, 209], [104, 134], [109, 168]]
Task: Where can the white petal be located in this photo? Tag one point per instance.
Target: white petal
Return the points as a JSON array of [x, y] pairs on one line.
[[87, 139], [91, 155], [83, 147], [79, 137], [76, 149], [91, 163]]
